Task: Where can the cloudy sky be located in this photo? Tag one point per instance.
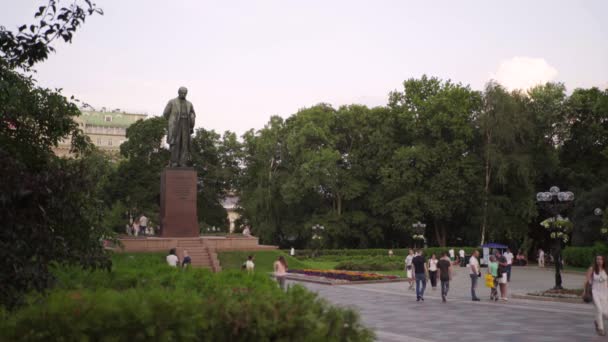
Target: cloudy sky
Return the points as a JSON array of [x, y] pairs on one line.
[[244, 61]]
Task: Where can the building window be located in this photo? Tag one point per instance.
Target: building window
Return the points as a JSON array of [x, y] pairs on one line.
[[108, 118]]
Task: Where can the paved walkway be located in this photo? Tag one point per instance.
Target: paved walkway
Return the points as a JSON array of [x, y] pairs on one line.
[[392, 311]]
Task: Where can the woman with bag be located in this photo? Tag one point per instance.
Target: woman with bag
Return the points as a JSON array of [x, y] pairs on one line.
[[597, 277], [491, 281]]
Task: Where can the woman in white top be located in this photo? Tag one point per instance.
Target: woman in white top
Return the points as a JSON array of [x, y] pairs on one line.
[[433, 271], [597, 277], [280, 271], [409, 273]]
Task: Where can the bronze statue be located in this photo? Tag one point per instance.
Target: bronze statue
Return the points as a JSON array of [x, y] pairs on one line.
[[180, 115]]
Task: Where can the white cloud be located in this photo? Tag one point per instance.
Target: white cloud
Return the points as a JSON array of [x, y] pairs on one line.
[[524, 72]]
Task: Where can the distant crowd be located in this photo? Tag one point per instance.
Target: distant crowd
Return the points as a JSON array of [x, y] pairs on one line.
[[140, 226]]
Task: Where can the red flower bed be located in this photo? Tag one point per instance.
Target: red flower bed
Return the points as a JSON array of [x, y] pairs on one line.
[[344, 275]]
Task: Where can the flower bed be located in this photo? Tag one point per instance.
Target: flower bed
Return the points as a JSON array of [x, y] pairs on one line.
[[344, 275], [563, 293]]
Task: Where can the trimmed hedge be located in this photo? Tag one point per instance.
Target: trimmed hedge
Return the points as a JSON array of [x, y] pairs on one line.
[[401, 252], [378, 263], [583, 256], [144, 299]]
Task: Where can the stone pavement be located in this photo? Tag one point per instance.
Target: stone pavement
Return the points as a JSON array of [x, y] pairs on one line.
[[392, 311]]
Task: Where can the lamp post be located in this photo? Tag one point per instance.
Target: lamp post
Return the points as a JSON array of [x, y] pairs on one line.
[[419, 232], [554, 202], [317, 237], [600, 212]]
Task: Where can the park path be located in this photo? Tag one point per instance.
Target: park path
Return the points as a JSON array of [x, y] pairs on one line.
[[392, 311]]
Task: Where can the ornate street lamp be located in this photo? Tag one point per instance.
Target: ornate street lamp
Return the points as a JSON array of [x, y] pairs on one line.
[[419, 231], [317, 237], [554, 202], [603, 230]]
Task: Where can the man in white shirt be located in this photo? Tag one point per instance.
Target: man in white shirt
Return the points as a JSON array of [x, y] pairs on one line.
[[172, 259], [451, 251], [143, 224], [509, 256], [461, 255], [474, 273]]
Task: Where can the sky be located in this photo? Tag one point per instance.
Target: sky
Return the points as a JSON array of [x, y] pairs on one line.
[[244, 61]]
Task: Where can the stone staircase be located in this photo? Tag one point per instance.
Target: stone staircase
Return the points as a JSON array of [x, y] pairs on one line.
[[202, 255]]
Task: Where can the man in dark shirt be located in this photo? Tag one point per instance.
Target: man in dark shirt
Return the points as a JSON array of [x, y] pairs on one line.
[[445, 275], [419, 263]]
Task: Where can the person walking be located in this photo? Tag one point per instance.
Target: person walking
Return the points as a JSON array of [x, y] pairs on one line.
[[493, 271], [509, 256], [280, 271], [541, 258], [409, 274], [433, 271], [444, 269], [597, 277], [419, 263], [474, 274], [461, 256], [451, 251]]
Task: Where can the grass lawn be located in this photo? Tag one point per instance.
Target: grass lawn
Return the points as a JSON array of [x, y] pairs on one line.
[[263, 260]]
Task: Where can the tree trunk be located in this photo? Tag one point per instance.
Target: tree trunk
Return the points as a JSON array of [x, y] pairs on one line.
[[339, 204], [440, 234], [486, 193]]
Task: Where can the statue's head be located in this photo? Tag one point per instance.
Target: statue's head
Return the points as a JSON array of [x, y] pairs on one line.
[[182, 92]]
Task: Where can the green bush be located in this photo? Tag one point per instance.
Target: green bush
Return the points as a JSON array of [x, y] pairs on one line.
[[144, 299], [583, 256], [160, 315]]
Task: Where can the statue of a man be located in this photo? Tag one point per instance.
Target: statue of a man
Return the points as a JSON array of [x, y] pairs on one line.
[[179, 113]]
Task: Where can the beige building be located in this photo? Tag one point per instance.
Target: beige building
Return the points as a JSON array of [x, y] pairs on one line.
[[107, 130]]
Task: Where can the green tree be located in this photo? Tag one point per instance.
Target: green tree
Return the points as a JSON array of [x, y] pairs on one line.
[[507, 132], [435, 177], [136, 180], [206, 158], [49, 205]]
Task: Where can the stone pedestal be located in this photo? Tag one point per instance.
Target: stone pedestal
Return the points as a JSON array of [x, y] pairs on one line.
[[178, 217]]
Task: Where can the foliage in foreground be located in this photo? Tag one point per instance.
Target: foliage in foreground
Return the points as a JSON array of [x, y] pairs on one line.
[[48, 206], [143, 299]]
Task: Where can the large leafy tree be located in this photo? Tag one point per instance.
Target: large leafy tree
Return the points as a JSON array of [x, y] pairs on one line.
[[49, 206], [507, 139], [434, 178]]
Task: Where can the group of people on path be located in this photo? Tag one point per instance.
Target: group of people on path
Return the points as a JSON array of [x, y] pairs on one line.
[[418, 270], [139, 226]]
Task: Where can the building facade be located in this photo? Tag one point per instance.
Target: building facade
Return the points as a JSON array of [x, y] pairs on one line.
[[107, 130]]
